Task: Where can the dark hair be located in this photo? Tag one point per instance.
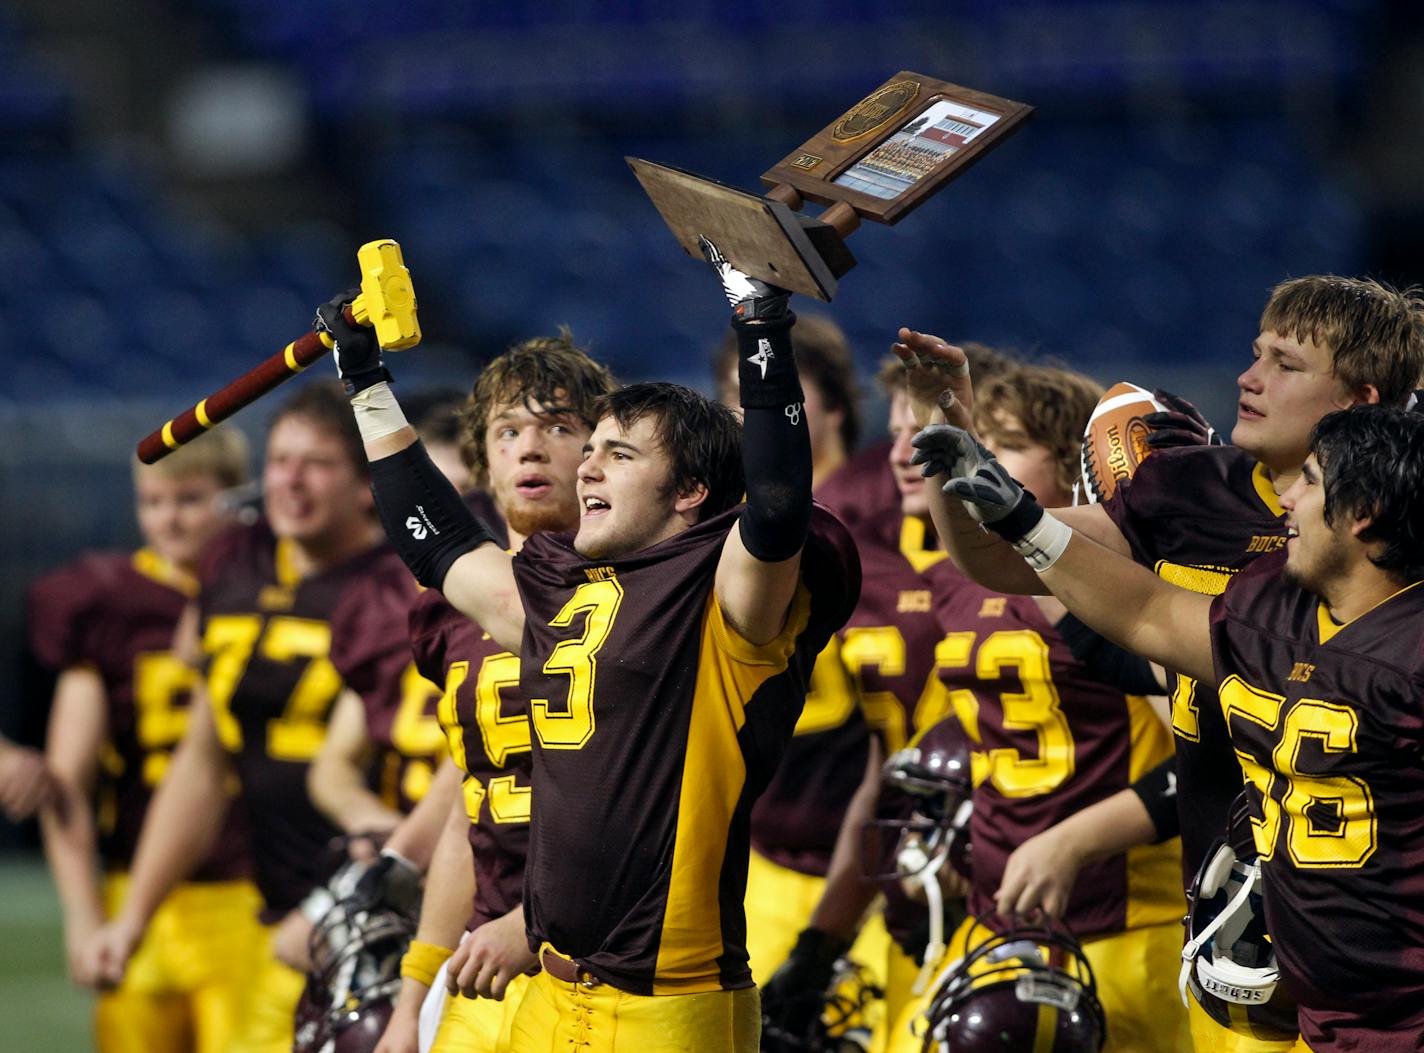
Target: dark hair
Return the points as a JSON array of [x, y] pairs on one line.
[[1372, 462], [435, 414], [550, 370], [823, 357], [702, 437], [325, 404], [1375, 333]]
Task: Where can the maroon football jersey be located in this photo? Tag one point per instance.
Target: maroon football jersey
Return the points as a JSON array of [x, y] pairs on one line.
[[370, 648], [1328, 724], [1051, 741], [795, 823], [655, 728], [1195, 516], [486, 722], [267, 636], [117, 612]]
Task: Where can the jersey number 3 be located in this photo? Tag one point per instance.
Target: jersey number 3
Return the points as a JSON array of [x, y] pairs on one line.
[[571, 725]]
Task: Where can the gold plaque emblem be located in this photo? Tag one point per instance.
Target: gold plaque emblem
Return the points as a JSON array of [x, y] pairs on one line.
[[806, 161], [875, 110]]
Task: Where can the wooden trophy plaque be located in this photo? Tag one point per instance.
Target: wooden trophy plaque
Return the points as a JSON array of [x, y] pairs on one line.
[[879, 160]]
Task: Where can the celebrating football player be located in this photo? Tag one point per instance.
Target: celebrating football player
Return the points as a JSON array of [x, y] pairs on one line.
[[1051, 738], [665, 653], [266, 596], [1197, 515], [106, 623], [1315, 653]]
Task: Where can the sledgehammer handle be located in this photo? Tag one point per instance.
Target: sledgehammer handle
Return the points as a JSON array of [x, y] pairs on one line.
[[231, 397]]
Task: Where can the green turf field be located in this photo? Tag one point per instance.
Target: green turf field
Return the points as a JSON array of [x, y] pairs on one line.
[[40, 1012]]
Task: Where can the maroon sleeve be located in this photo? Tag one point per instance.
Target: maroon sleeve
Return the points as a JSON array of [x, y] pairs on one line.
[[1129, 505], [368, 637], [427, 637], [60, 605]]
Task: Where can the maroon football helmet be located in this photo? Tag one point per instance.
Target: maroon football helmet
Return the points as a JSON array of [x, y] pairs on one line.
[[1228, 963], [927, 788], [1018, 985], [356, 951]]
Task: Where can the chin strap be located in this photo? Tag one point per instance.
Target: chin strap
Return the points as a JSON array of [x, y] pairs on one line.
[[934, 899], [1196, 943]]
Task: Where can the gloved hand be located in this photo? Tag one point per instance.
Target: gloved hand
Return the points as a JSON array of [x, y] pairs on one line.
[[792, 1000], [1181, 425], [390, 882], [357, 354], [753, 301]]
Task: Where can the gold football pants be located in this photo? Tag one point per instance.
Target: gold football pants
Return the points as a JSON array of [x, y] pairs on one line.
[[185, 986], [479, 1025]]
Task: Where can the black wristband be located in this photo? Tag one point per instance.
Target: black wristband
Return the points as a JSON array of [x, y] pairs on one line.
[[1106, 660], [766, 366], [776, 444], [1158, 792], [1022, 518], [425, 519], [358, 382]]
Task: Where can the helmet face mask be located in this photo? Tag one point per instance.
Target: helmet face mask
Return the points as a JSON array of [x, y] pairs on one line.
[[928, 787], [1014, 987], [1228, 963], [354, 979], [841, 1026]]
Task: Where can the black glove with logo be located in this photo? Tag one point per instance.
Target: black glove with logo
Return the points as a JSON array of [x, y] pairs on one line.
[[357, 354], [1181, 425]]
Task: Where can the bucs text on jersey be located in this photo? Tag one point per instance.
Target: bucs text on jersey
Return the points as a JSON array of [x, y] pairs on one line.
[[655, 728], [1327, 723], [1195, 516]]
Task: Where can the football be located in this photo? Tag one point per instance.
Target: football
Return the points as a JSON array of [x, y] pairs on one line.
[[1115, 440]]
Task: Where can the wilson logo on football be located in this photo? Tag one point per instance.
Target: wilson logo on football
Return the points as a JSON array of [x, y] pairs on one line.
[[416, 528], [1115, 440]]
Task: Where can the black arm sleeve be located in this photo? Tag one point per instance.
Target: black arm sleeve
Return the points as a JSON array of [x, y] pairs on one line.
[[1158, 792], [1107, 661], [776, 445], [427, 523]]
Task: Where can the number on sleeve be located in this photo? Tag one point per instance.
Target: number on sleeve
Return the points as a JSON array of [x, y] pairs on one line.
[[161, 679]]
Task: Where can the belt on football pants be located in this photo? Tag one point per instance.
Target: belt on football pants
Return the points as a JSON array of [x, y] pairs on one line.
[[565, 970]]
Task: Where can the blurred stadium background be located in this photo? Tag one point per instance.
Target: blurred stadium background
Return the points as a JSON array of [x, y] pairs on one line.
[[182, 181]]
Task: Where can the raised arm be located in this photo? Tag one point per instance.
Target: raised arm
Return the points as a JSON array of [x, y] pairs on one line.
[[428, 523], [761, 560], [1109, 592]]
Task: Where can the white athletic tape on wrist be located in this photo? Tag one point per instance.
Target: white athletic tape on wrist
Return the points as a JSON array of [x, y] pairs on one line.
[[1042, 545], [377, 412]]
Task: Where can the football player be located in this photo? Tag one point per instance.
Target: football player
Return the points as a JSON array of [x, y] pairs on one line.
[[665, 650], [106, 624], [886, 654], [1315, 652], [795, 822], [385, 721], [266, 596], [527, 420], [1051, 739], [1197, 515]]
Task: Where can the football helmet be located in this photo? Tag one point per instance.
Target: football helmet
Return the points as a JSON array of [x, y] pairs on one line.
[[930, 781], [356, 950], [1228, 963], [1024, 989]]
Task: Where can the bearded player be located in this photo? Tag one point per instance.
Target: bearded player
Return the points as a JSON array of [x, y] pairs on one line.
[[1051, 738], [665, 650], [531, 412], [106, 625], [1198, 515], [266, 596], [1316, 655]]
